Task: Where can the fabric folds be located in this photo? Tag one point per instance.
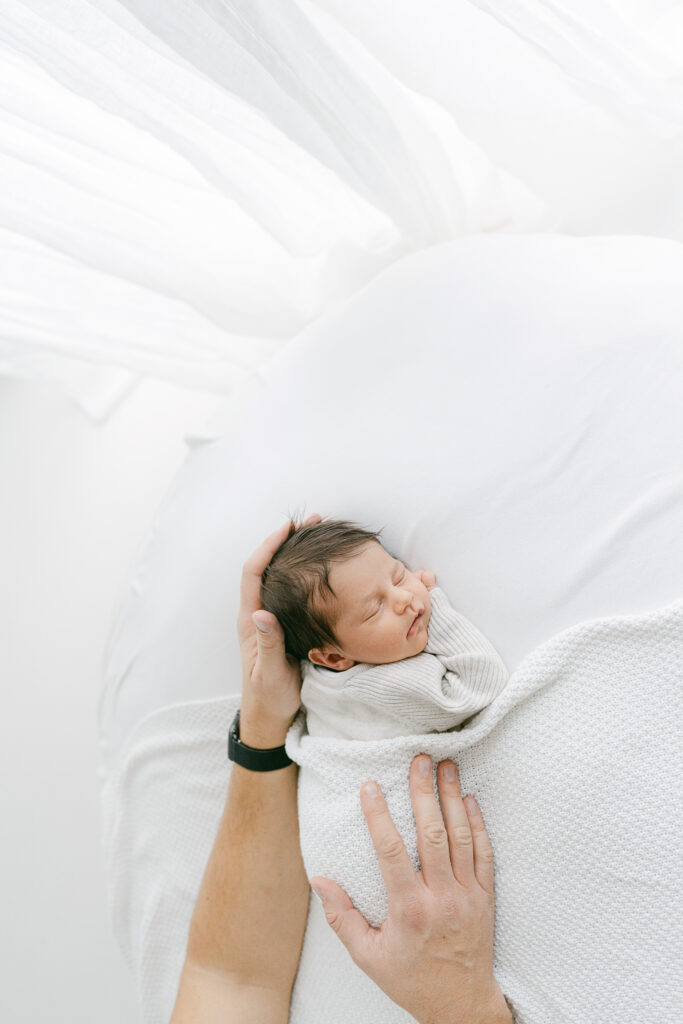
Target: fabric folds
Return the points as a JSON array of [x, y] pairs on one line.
[[185, 186]]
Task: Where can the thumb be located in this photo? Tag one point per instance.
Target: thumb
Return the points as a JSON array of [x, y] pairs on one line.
[[269, 632], [270, 643], [349, 924]]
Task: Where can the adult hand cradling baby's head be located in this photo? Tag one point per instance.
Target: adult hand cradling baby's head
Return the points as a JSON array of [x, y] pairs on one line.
[[271, 680]]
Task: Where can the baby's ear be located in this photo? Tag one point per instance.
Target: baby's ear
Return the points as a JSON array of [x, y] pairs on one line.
[[328, 658], [317, 657]]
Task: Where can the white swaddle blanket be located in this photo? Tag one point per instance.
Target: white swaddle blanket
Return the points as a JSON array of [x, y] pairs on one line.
[[576, 766]]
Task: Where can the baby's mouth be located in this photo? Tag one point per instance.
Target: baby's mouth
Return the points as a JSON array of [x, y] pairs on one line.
[[414, 623]]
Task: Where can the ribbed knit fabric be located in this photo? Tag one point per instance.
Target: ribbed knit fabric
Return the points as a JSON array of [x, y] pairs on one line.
[[457, 674]]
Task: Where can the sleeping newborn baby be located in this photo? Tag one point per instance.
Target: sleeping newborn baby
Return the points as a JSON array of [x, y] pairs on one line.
[[382, 652]]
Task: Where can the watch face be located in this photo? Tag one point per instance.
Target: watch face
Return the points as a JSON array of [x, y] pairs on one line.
[[234, 737]]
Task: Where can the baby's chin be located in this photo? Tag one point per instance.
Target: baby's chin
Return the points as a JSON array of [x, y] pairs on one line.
[[423, 643]]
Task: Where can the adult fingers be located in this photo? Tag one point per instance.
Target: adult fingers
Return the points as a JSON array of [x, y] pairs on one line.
[[432, 837], [270, 639], [271, 679], [394, 862], [349, 924], [483, 851], [314, 517], [457, 822], [252, 571]]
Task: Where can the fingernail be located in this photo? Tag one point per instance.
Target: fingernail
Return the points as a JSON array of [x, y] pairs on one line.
[[261, 625], [449, 772], [424, 766], [319, 893], [471, 806], [370, 789]]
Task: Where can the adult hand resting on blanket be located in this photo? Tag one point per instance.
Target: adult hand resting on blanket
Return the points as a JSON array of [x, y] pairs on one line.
[[434, 953]]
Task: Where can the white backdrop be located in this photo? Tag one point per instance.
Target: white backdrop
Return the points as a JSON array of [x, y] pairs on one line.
[[76, 499]]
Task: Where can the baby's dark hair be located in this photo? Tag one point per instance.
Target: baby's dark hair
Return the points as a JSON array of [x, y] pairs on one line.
[[296, 580]]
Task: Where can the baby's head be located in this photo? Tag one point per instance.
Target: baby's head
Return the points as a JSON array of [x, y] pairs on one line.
[[342, 598]]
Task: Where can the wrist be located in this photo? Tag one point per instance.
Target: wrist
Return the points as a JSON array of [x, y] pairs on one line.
[[210, 991], [261, 729], [497, 1011], [493, 1010]]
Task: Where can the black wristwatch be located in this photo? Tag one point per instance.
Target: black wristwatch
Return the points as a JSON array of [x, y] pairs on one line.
[[251, 757]]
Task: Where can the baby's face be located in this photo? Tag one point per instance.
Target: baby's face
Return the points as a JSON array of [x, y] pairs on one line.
[[377, 600]]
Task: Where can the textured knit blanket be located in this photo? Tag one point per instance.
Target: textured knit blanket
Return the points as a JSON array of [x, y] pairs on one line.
[[577, 767]]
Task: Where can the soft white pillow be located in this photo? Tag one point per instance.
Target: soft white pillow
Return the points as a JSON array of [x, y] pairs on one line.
[[508, 407]]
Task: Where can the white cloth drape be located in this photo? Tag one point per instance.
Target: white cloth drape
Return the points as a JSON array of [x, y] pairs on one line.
[[185, 186]]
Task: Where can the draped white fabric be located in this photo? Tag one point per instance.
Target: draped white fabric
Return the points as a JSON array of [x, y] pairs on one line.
[[185, 185]]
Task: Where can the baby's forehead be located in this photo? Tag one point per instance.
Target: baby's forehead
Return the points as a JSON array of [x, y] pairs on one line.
[[372, 559], [351, 579]]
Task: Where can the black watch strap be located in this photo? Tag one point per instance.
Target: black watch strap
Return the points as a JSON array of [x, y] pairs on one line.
[[251, 757]]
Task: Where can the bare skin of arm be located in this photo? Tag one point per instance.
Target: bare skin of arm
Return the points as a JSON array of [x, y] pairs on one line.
[[248, 925]]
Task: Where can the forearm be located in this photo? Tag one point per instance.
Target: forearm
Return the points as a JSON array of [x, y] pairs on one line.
[[205, 997], [249, 920]]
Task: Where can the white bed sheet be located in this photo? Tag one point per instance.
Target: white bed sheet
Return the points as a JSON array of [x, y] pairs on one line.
[[508, 408]]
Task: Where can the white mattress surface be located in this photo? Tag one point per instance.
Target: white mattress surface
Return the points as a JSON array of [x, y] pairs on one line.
[[508, 408]]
